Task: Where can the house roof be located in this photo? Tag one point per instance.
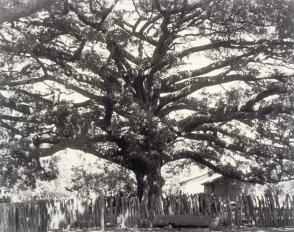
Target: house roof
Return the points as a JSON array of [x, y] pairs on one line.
[[192, 179], [212, 179], [201, 178]]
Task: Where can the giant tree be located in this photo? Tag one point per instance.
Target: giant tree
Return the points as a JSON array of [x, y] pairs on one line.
[[144, 83]]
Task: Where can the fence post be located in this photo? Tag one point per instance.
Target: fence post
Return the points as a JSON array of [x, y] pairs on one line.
[[229, 210], [123, 212], [102, 221], [111, 201], [238, 211], [138, 213]]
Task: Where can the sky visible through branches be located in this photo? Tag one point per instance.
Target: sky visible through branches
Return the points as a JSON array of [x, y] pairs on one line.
[[145, 83]]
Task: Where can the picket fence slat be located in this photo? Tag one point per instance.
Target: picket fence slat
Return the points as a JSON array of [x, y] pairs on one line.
[[123, 211]]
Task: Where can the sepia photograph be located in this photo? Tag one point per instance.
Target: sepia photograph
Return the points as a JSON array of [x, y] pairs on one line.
[[146, 115]]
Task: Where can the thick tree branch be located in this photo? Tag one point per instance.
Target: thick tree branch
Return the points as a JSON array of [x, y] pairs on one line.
[[34, 96], [85, 144], [262, 95], [11, 128], [227, 114], [12, 104], [234, 44], [140, 35], [25, 10], [24, 82], [185, 75], [13, 118], [202, 48], [57, 55], [75, 143], [186, 88], [225, 170]]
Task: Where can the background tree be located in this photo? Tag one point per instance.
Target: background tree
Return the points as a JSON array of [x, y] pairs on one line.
[[112, 181], [143, 83], [19, 174]]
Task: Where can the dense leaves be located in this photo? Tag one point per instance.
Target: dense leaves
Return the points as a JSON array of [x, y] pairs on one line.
[[111, 180], [22, 172], [144, 83]]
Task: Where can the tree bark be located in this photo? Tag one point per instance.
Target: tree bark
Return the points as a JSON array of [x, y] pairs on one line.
[[155, 182], [140, 185], [149, 186]]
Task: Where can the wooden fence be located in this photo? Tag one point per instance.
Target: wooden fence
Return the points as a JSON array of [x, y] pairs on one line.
[[45, 215]]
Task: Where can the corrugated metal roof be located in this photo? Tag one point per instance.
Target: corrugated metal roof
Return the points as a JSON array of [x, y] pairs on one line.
[[212, 179], [202, 178]]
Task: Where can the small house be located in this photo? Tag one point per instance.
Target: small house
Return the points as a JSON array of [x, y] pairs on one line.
[[224, 186], [194, 184], [217, 184]]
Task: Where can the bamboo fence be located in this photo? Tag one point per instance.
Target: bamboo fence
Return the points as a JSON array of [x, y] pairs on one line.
[[120, 211]]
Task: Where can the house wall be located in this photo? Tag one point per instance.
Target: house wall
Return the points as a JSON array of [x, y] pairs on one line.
[[229, 187], [194, 184], [192, 187]]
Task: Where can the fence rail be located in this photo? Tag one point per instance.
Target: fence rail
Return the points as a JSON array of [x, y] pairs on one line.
[[45, 215]]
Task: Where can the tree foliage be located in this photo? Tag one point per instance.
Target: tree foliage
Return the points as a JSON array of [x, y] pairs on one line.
[[143, 83], [113, 180], [19, 173]]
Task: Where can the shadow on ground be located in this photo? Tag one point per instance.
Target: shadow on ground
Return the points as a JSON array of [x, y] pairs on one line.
[[243, 229]]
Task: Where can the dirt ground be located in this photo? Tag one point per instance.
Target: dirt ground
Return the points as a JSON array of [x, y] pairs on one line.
[[242, 229], [230, 230]]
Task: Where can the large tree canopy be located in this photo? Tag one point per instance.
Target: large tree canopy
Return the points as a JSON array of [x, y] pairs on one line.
[[143, 83]]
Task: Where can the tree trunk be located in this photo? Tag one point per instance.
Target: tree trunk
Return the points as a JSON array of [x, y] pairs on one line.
[[155, 183], [140, 185], [149, 185]]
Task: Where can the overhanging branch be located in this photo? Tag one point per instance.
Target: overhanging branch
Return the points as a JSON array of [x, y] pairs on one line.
[[29, 8]]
